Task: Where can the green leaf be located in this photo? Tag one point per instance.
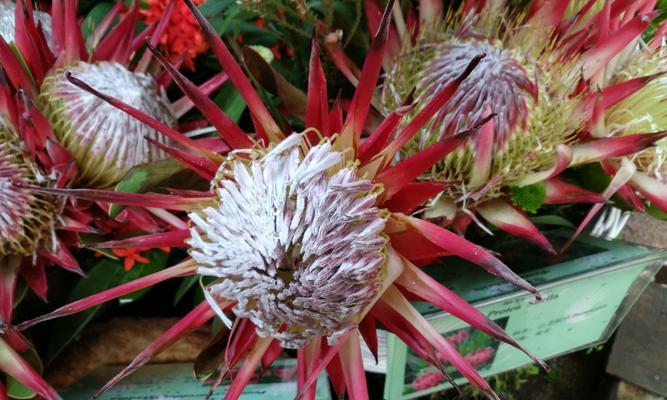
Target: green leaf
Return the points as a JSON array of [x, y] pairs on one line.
[[104, 275], [530, 197], [212, 8], [94, 17], [17, 390], [184, 287], [552, 220], [230, 101], [144, 177], [656, 212]]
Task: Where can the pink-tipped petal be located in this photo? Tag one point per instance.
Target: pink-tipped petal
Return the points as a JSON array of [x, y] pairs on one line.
[[185, 268], [460, 247], [185, 104], [418, 282], [325, 359], [623, 175], [394, 299], [509, 219], [34, 276], [381, 135], [156, 35], [317, 103], [15, 366], [200, 165], [602, 149], [170, 202], [9, 269], [564, 155], [353, 368], [308, 357], [484, 141], [252, 360], [175, 238], [598, 57], [412, 196], [559, 192], [651, 188], [402, 174], [344, 64], [192, 321]]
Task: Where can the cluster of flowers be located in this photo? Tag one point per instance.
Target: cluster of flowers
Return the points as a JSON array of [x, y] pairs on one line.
[[315, 237]]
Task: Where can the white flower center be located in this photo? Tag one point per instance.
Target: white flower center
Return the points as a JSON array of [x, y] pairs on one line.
[[105, 141], [296, 241]]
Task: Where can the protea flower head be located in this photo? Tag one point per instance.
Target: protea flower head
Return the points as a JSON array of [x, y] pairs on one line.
[[27, 218], [36, 228], [531, 93], [105, 142], [306, 233], [637, 73]]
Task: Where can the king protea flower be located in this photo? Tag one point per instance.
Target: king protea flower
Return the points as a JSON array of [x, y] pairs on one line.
[[36, 228], [105, 142], [306, 232], [534, 83]]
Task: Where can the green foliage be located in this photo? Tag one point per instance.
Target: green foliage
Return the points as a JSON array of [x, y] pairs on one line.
[[529, 198], [104, 274], [17, 390]]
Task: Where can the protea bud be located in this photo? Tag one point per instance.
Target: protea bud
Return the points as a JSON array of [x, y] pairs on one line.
[[104, 141], [26, 218], [522, 80], [531, 100]]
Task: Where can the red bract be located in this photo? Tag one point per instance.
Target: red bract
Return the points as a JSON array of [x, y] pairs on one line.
[[544, 80], [302, 234]]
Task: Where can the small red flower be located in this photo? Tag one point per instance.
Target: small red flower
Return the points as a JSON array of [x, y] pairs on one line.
[[131, 256], [183, 37]]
